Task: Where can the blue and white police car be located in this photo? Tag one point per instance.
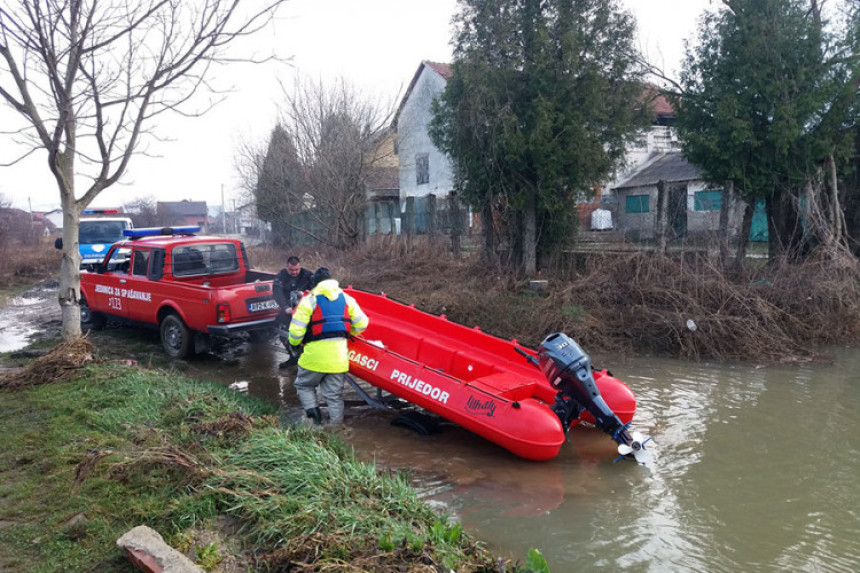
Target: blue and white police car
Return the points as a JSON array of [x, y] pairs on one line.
[[99, 229]]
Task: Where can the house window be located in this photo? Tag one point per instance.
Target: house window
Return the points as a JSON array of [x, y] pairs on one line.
[[638, 204], [422, 169], [708, 200]]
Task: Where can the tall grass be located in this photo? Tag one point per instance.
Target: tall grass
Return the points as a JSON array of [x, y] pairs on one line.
[[23, 264]]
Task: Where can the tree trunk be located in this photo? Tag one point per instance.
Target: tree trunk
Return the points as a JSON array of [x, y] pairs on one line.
[[660, 225], [837, 214], [725, 211], [785, 233], [70, 274], [530, 236], [744, 238], [488, 229]]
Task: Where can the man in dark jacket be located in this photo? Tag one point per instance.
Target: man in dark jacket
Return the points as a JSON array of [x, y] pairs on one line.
[[289, 284]]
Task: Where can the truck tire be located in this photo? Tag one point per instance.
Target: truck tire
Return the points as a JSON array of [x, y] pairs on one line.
[[91, 320], [176, 338]]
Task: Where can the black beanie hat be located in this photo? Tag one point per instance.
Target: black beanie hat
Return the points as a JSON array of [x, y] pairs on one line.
[[320, 275]]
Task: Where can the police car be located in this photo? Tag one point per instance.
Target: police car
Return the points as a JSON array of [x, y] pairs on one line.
[[98, 230]]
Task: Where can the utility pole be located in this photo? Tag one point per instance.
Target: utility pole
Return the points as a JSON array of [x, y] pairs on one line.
[[223, 212]]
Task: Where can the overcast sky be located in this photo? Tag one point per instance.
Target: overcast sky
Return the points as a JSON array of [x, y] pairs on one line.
[[377, 45]]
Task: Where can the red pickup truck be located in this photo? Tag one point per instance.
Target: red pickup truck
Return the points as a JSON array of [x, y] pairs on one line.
[[188, 286]]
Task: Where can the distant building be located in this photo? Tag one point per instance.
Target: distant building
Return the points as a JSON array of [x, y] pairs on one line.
[[658, 139], [244, 221], [693, 206], [383, 187], [23, 225], [55, 217], [183, 213]]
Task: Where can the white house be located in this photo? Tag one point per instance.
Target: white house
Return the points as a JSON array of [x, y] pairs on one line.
[[424, 169], [55, 217]]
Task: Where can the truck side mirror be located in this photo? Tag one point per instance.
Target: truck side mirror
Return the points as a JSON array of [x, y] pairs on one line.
[[58, 243]]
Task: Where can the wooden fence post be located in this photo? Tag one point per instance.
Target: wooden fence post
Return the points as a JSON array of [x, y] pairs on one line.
[[410, 218], [392, 219], [662, 209], [456, 223], [431, 214]]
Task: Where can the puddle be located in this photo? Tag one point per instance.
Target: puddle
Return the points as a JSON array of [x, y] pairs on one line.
[[23, 316]]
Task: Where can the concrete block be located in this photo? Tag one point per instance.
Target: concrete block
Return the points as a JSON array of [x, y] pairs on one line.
[[147, 551]]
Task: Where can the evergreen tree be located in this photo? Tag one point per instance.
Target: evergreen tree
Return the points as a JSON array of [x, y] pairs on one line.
[[767, 96], [274, 192], [544, 96]]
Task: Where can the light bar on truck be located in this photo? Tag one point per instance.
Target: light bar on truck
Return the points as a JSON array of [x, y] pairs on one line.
[[159, 231], [100, 212]]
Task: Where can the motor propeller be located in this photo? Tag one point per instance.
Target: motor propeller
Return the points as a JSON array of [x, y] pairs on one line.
[[636, 449]]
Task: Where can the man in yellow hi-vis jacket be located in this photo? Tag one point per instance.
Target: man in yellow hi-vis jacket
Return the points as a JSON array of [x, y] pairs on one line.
[[322, 321]]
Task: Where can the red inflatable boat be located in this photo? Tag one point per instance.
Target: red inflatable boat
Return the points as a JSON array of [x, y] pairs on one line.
[[520, 399]]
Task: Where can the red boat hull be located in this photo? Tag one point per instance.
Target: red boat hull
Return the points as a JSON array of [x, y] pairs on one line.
[[466, 376]]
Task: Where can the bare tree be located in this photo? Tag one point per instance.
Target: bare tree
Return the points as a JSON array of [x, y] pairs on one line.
[[312, 180], [143, 211], [5, 203], [89, 78]]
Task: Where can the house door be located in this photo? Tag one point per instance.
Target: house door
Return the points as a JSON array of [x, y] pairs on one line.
[[758, 229], [677, 212]]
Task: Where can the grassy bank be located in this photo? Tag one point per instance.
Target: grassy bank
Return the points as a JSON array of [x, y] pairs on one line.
[[106, 447]]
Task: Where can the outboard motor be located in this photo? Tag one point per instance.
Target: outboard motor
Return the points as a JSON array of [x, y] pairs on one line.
[[568, 369]]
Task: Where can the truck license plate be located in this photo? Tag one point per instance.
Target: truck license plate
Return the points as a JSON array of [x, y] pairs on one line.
[[261, 305]]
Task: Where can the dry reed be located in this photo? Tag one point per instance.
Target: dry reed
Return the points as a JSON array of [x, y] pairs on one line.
[[56, 366], [680, 306]]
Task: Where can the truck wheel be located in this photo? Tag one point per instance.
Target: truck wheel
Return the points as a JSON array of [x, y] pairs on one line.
[[177, 339], [91, 320]]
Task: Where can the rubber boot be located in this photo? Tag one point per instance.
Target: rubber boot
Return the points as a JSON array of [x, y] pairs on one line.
[[314, 414]]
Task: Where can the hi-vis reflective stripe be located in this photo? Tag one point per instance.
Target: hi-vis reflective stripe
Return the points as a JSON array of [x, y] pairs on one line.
[[298, 322], [361, 319]]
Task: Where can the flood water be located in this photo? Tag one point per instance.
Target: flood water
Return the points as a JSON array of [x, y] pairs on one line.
[[755, 468], [15, 333]]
